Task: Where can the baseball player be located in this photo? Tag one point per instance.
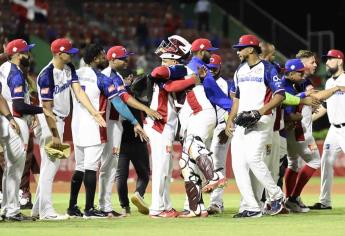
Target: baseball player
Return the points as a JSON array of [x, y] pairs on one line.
[[334, 142], [162, 132], [89, 143], [198, 120], [258, 91], [117, 57], [55, 82], [277, 160], [220, 142], [298, 144], [15, 91], [295, 179]]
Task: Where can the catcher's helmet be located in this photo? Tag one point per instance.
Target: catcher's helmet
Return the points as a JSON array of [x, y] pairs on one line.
[[176, 48]]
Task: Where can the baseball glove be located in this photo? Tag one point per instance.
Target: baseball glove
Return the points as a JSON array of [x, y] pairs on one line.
[[248, 119], [62, 153]]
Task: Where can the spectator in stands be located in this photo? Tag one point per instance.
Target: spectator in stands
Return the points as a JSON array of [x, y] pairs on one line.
[[143, 37], [202, 9]]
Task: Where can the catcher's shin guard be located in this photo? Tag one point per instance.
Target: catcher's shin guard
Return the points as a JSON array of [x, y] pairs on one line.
[[197, 151], [194, 196]]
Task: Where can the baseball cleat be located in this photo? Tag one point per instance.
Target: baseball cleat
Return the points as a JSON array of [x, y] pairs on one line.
[[54, 218], [304, 208], [320, 206], [214, 209], [113, 214], [126, 211], [94, 214], [74, 212], [248, 214], [138, 201], [166, 214], [20, 217], [191, 214], [277, 207], [293, 206]]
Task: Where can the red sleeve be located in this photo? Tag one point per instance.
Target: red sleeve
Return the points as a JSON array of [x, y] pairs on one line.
[[125, 96], [178, 85], [161, 72]]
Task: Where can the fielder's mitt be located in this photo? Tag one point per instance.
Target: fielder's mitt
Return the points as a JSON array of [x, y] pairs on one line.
[[247, 119], [62, 153]]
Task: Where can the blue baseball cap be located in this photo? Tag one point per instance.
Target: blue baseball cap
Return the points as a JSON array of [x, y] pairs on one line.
[[294, 65]]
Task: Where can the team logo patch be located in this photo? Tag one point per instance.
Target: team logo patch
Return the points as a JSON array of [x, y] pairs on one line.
[[18, 89], [44, 90], [111, 88]]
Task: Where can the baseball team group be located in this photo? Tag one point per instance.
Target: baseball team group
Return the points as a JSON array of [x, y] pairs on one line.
[[264, 115]]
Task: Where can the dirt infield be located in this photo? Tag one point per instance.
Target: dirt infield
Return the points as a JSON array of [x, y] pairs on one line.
[[178, 187]]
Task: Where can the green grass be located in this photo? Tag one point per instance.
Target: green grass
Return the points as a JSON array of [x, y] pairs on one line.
[[313, 223]]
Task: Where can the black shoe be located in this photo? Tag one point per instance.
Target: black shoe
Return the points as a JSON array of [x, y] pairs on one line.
[[94, 214], [20, 217], [112, 214], [74, 212], [248, 214], [320, 206], [28, 205], [126, 211]]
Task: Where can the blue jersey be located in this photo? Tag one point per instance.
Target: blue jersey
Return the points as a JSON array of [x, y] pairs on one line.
[[55, 85], [16, 83], [212, 90]]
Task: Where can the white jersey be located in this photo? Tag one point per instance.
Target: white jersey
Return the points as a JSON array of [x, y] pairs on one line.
[[196, 99], [336, 114], [307, 113], [256, 85], [162, 102], [99, 88], [224, 86], [54, 84]]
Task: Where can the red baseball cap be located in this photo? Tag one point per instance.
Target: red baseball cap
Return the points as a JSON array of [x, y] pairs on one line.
[[202, 44], [63, 45], [17, 46], [333, 53], [247, 40], [215, 61], [118, 52]]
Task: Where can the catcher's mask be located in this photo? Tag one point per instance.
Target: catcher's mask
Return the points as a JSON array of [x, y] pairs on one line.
[[175, 48]]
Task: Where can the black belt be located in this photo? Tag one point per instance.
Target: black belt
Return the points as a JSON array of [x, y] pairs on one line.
[[60, 117], [339, 125]]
